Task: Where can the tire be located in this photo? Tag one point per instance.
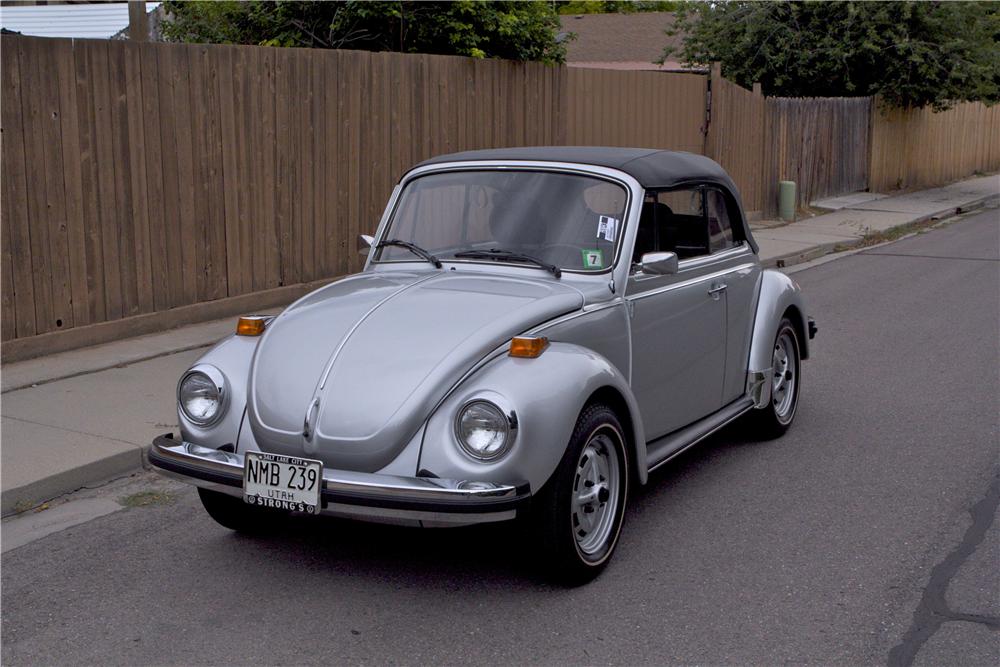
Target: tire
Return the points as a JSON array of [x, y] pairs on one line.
[[774, 419], [232, 513], [576, 543]]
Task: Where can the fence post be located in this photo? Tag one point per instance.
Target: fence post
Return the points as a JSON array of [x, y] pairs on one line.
[[712, 99], [764, 177], [138, 22], [874, 180]]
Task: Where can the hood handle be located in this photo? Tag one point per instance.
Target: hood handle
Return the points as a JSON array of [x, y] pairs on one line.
[[308, 422]]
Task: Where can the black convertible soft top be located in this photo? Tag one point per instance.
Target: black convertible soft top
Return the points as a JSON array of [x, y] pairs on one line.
[[654, 169]]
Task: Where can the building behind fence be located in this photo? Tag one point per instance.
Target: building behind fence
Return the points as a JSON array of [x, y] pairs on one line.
[[145, 185]]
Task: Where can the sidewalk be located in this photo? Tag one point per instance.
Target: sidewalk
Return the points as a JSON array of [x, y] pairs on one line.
[[857, 216], [80, 418]]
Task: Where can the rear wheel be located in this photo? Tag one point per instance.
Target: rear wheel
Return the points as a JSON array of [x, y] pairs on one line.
[[234, 514], [773, 420], [579, 513]]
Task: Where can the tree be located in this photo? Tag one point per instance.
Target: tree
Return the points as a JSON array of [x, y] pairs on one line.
[[912, 54], [476, 28], [614, 6]]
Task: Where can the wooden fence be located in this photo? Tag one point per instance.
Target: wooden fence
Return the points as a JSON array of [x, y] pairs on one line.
[[145, 185], [820, 143], [616, 108], [918, 148], [138, 178], [736, 137]]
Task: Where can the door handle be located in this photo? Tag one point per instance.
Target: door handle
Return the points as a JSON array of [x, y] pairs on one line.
[[717, 290]]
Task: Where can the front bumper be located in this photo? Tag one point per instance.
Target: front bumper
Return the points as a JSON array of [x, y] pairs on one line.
[[369, 496]]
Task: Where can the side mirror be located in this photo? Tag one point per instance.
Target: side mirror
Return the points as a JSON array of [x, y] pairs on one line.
[[365, 243], [661, 263]]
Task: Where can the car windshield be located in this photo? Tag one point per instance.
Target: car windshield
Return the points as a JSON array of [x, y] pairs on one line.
[[569, 221]]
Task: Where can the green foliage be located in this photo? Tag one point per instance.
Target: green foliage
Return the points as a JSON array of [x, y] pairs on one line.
[[613, 6], [476, 28], [913, 54]]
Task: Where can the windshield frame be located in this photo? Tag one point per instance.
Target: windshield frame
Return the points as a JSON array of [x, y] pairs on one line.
[[596, 172]]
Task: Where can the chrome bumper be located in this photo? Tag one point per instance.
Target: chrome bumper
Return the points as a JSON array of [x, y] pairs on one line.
[[370, 496]]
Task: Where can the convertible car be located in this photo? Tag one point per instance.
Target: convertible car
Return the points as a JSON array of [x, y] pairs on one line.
[[533, 332]]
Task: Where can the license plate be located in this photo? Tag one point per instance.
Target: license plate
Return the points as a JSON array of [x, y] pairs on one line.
[[282, 482]]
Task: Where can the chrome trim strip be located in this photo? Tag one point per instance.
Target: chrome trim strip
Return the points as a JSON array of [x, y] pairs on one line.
[[630, 185], [361, 320], [427, 519], [705, 260], [689, 282], [229, 466], [586, 310], [701, 437], [328, 368]]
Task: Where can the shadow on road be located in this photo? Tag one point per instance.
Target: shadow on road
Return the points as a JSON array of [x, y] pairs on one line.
[[449, 558]]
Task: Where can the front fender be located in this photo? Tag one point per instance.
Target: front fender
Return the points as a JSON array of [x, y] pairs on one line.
[[232, 356], [779, 294], [547, 394]]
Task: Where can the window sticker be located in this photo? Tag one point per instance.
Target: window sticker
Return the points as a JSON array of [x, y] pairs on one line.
[[593, 259], [607, 227]]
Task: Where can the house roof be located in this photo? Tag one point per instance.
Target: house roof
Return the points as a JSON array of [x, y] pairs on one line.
[[608, 38], [95, 21]]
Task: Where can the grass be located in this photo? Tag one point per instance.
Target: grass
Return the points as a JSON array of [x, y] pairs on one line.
[[147, 498], [894, 234], [22, 506]]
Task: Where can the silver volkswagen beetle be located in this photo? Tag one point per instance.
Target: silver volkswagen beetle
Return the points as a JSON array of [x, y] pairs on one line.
[[534, 331]]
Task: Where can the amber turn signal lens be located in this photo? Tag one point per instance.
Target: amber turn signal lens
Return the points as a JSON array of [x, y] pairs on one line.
[[250, 326], [528, 348]]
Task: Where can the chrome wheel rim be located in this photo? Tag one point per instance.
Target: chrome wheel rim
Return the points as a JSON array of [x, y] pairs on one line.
[[785, 377], [595, 496]]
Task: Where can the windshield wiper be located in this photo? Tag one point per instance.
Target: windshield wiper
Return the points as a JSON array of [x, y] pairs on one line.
[[415, 249], [500, 255]]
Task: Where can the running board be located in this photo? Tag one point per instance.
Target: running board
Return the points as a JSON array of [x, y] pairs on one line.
[[663, 449]]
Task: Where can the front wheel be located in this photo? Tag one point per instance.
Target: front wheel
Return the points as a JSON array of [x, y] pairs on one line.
[[579, 513], [773, 420]]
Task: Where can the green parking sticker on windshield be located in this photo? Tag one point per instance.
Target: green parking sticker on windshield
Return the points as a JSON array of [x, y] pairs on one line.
[[593, 259]]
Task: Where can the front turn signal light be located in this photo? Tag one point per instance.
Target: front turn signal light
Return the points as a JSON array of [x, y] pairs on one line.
[[250, 326], [528, 348]]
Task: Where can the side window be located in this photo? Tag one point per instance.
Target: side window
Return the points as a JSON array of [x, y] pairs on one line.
[[672, 221], [692, 223], [720, 231]]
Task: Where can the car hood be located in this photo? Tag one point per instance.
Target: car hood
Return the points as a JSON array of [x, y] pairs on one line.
[[349, 373]]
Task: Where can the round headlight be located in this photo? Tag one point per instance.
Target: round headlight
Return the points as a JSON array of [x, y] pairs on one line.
[[201, 395], [483, 431]]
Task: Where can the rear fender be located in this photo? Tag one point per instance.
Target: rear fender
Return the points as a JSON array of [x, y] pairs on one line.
[[546, 395], [779, 295]]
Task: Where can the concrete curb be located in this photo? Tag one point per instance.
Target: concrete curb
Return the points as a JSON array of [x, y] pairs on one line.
[[815, 252], [92, 474], [107, 367]]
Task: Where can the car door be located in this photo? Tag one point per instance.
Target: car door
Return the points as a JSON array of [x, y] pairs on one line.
[[677, 321], [733, 254]]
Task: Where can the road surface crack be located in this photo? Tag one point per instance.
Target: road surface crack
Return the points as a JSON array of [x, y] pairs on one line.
[[933, 610]]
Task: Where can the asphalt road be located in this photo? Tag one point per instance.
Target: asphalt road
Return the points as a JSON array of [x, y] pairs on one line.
[[865, 536]]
